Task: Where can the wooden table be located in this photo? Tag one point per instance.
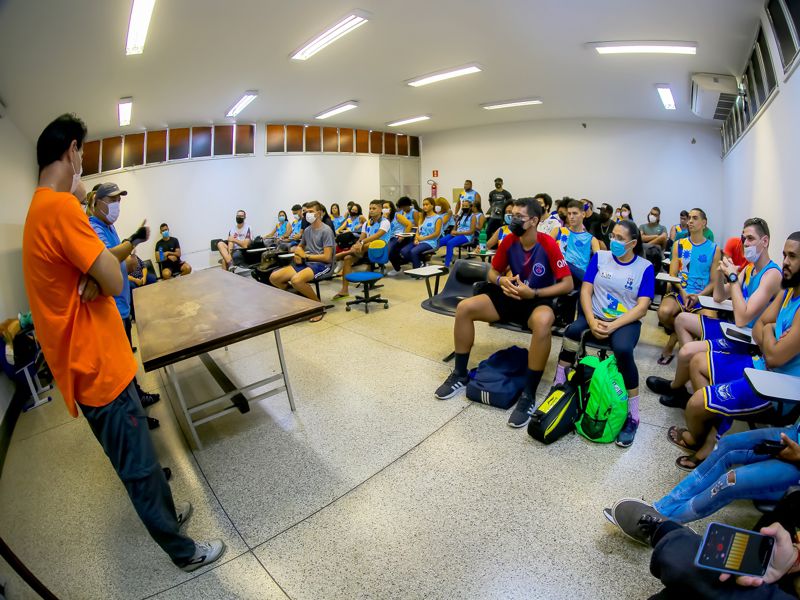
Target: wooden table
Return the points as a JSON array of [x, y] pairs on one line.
[[190, 316]]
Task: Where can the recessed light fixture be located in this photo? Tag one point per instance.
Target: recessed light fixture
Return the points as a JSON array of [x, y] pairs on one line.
[[644, 47], [124, 110], [354, 20], [248, 97], [408, 121], [511, 103], [338, 109], [666, 96], [442, 75], [141, 11]]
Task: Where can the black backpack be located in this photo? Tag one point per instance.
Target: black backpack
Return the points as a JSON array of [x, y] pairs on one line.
[[564, 405]]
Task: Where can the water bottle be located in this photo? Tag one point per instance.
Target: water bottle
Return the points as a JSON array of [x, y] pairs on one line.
[[482, 240], [161, 255]]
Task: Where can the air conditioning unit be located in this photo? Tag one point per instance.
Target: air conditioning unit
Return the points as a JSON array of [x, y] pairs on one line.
[[713, 96]]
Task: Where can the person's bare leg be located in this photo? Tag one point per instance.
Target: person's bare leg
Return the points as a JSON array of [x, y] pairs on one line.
[[541, 325], [281, 277], [666, 315], [348, 263], [300, 282], [697, 420], [166, 274], [685, 356], [477, 308], [186, 268], [222, 247], [688, 327], [699, 372]]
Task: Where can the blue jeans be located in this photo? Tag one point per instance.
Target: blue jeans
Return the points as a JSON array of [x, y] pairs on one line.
[[452, 242], [716, 482], [413, 253]]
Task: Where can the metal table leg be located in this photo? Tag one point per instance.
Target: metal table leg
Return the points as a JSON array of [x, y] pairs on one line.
[[284, 372], [170, 369]]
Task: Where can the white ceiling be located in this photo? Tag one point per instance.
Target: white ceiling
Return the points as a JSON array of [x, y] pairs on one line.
[[58, 56]]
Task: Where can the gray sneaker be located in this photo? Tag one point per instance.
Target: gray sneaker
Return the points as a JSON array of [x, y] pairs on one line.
[[205, 553], [523, 411], [451, 386], [183, 510], [637, 519]]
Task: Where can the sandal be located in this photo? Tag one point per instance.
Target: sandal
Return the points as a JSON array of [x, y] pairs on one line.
[[316, 319], [675, 436], [688, 463], [665, 360], [340, 296]]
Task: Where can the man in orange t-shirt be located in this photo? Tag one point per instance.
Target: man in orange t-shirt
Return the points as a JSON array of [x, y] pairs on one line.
[[71, 278]]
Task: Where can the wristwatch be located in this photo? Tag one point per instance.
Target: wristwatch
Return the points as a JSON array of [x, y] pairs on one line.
[[733, 278]]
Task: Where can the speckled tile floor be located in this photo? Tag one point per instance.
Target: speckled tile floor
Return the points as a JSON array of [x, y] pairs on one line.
[[371, 489]]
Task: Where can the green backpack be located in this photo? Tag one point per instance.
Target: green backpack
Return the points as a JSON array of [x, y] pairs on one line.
[[607, 404]]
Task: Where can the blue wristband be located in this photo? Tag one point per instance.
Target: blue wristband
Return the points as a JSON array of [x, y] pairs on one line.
[[497, 281]]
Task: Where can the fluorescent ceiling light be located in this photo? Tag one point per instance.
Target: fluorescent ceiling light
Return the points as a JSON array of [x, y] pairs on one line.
[[344, 107], [351, 22], [408, 121], [124, 109], [248, 97], [141, 11], [645, 47], [442, 75], [666, 96], [511, 103]]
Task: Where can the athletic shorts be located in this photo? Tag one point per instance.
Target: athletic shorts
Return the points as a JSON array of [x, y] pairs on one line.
[[724, 367], [319, 269], [734, 398], [510, 310], [679, 300]]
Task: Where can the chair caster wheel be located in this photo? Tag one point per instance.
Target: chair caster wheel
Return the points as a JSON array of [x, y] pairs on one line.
[[385, 306], [347, 308]]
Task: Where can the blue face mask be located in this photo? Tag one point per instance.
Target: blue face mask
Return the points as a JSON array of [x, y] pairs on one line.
[[281, 218], [617, 248], [165, 233], [507, 219]]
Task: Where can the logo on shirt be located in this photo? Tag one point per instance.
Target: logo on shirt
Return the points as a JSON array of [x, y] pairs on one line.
[[702, 258], [561, 263], [538, 269], [629, 284]]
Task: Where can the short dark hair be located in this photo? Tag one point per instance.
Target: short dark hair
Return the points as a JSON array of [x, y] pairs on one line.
[[241, 210], [496, 179], [759, 224], [57, 138], [531, 206], [794, 237], [564, 202], [404, 201], [702, 213], [296, 207], [684, 213], [575, 204], [656, 209], [548, 201], [315, 205], [163, 225], [468, 180], [377, 201]]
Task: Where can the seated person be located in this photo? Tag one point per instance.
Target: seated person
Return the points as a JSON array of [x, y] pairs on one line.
[[281, 230], [694, 259], [751, 290], [680, 228], [168, 255], [675, 547], [550, 219], [138, 275], [406, 206], [707, 233], [313, 256], [721, 390], [442, 207], [615, 296], [354, 222], [426, 238], [624, 212], [337, 218], [377, 227], [463, 231], [295, 228], [527, 272], [577, 245], [239, 238], [653, 232], [401, 224], [504, 230], [602, 228]]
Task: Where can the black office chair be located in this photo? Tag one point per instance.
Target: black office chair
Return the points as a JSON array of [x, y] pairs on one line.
[[459, 285]]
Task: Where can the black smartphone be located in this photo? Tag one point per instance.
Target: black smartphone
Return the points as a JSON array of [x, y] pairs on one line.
[[736, 551], [770, 447], [739, 336]]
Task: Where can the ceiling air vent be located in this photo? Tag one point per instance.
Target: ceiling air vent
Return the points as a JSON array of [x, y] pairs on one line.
[[713, 96]]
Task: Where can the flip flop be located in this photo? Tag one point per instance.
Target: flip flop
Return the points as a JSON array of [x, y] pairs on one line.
[[665, 360], [340, 296], [316, 319], [688, 463], [675, 436]]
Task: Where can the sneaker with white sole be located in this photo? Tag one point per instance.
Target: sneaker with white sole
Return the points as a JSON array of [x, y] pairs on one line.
[[393, 273], [183, 510], [454, 384], [205, 553], [523, 411], [628, 433], [637, 519]]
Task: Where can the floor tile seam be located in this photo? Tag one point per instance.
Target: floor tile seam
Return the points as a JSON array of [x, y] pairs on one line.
[[19, 440], [199, 573], [367, 480], [266, 570]]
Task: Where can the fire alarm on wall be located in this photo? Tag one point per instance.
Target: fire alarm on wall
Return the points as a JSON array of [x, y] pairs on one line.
[[435, 173]]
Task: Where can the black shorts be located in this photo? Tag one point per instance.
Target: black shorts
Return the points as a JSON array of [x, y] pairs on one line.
[[510, 310]]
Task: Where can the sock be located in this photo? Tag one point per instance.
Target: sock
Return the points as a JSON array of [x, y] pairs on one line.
[[633, 408], [462, 360], [534, 377], [561, 375]]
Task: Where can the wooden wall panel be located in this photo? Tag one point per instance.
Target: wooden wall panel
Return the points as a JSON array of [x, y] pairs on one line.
[[402, 144], [313, 139], [330, 139], [294, 138], [201, 141], [414, 146], [223, 140], [112, 153], [133, 150], [362, 141], [91, 157], [245, 139], [156, 146], [376, 142], [179, 143], [276, 138], [389, 143], [345, 140]]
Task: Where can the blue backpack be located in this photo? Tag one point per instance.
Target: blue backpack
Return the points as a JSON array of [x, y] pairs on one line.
[[500, 379]]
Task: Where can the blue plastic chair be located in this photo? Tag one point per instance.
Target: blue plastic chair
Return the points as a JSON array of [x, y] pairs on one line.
[[378, 253]]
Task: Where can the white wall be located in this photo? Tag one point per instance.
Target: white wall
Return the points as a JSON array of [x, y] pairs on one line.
[[761, 177], [198, 199], [643, 163]]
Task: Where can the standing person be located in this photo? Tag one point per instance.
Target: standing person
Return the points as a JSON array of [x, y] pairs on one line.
[[602, 228], [168, 255], [616, 294], [527, 272], [499, 198], [239, 238], [427, 236], [70, 282]]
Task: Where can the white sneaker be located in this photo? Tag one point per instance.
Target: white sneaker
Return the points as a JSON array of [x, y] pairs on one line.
[[393, 273], [183, 510], [204, 554]]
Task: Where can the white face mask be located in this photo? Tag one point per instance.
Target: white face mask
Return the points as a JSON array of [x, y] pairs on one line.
[[112, 213], [76, 177], [311, 217], [624, 214], [385, 211], [751, 253], [437, 208], [652, 218]]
